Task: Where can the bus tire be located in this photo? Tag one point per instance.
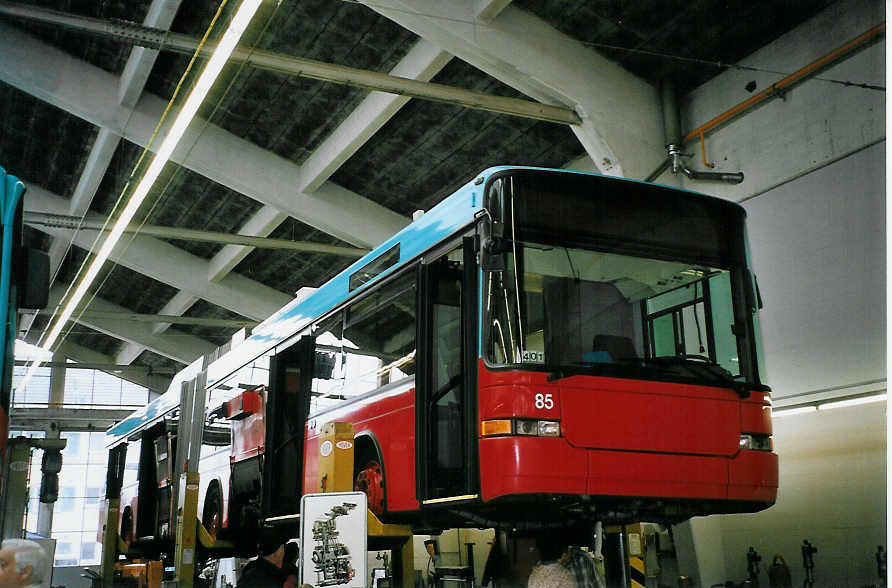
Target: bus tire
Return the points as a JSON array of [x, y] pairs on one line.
[[212, 513], [370, 480]]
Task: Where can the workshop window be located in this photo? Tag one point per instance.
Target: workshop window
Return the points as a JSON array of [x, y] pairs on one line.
[[37, 391], [82, 388], [76, 516], [84, 460]]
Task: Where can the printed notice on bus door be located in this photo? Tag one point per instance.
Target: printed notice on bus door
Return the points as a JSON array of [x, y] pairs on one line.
[[334, 539]]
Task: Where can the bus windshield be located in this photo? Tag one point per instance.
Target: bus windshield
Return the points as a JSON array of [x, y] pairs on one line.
[[580, 301]]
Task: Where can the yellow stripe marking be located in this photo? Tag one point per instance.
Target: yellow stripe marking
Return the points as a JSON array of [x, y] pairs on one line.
[[451, 499]]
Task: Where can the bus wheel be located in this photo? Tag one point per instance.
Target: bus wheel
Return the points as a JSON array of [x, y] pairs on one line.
[[212, 514], [371, 481], [127, 525]]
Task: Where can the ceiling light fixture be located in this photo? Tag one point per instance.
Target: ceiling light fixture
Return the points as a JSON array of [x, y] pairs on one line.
[[829, 404], [853, 401], [212, 70], [782, 412]]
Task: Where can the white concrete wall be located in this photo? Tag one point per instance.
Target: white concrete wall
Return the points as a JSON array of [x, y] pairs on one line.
[[815, 197], [818, 248], [816, 122], [832, 492]]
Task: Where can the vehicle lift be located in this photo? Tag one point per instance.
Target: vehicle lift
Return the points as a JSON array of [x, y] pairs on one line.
[[15, 480], [631, 555], [336, 475], [189, 531]]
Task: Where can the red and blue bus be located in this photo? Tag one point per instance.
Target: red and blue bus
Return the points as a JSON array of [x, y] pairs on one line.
[[543, 347]]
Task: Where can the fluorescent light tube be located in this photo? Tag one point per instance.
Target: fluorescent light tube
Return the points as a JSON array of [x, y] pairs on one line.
[[782, 412], [853, 401], [205, 81]]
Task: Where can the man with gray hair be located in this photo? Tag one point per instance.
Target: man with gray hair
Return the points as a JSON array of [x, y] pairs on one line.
[[23, 564]]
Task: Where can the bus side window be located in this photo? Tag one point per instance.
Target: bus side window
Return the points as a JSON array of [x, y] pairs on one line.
[[379, 338], [328, 376]]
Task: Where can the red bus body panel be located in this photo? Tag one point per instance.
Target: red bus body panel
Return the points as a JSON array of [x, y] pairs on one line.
[[248, 428], [389, 417], [622, 437], [619, 437]]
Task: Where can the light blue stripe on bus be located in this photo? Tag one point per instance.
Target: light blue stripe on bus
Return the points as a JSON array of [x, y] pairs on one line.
[[440, 222]]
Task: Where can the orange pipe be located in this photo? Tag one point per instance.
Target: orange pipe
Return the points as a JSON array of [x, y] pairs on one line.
[[703, 151], [786, 82]]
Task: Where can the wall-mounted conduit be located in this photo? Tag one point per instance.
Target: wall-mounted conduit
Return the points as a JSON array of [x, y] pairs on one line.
[[670, 111]]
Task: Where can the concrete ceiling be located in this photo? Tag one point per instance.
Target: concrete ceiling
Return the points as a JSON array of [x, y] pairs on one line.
[[301, 159]]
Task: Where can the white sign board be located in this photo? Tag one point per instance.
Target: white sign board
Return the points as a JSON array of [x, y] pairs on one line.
[[334, 540]]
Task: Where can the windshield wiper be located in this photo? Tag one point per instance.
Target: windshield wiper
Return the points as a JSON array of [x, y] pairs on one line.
[[556, 373], [701, 364], [698, 365]]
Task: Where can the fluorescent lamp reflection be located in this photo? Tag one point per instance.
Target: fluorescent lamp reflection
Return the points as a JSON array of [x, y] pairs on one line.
[[211, 71], [177, 130], [853, 401], [23, 350], [782, 412]]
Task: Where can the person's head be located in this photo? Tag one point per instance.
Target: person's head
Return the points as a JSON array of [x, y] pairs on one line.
[[551, 548], [272, 547], [291, 552], [22, 563]]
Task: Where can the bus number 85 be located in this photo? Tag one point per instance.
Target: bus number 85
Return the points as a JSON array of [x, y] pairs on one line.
[[545, 401]]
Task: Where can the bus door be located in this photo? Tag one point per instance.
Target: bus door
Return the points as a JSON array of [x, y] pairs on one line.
[[287, 406], [446, 406]]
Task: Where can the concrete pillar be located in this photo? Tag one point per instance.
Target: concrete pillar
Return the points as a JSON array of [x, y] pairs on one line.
[[699, 550], [45, 509], [57, 384], [14, 486]]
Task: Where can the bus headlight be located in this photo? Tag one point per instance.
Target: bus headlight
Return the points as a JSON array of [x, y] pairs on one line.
[[755, 441], [526, 427], [549, 429]]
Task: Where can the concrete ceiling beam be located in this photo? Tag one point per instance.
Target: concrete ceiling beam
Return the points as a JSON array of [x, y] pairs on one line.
[[173, 344], [76, 223], [170, 265], [422, 62], [88, 92], [136, 71], [171, 319], [139, 65], [154, 382], [621, 126], [486, 10], [178, 305], [66, 418], [261, 224]]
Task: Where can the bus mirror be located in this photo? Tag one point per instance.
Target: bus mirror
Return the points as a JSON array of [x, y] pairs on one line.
[[324, 365], [34, 280], [491, 255], [753, 301], [758, 294]]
